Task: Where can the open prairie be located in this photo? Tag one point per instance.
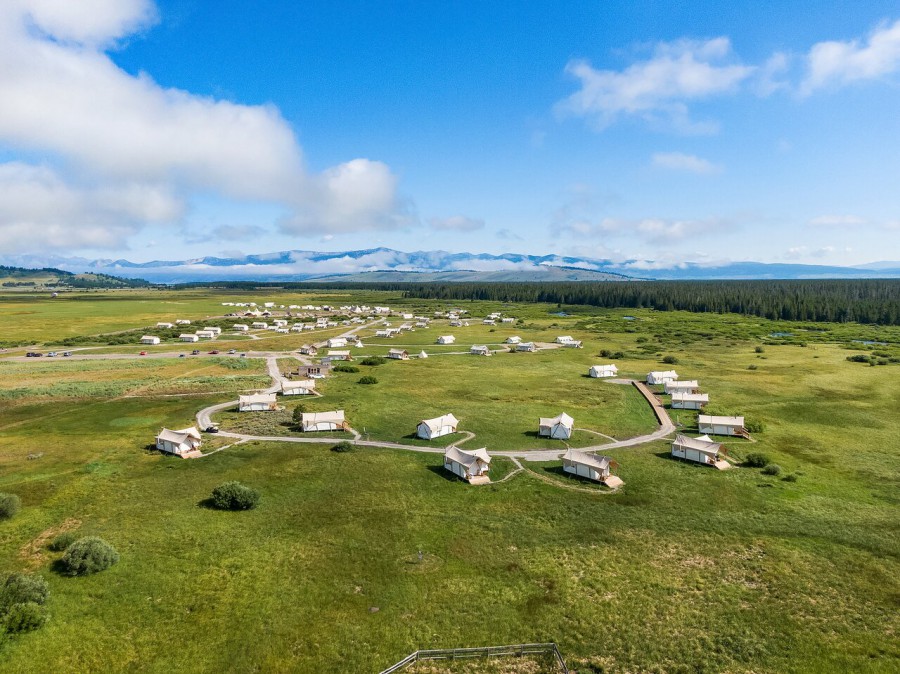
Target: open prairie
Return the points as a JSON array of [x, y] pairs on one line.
[[684, 569]]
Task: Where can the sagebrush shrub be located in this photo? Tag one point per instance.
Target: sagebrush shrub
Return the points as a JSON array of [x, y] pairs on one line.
[[9, 505], [88, 555], [234, 496]]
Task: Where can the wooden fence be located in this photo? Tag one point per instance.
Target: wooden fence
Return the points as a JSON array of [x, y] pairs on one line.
[[515, 650]]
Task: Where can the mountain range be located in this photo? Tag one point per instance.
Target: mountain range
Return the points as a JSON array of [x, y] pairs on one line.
[[385, 264]]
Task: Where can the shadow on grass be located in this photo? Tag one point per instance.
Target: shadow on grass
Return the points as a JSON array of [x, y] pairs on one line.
[[446, 474], [208, 504]]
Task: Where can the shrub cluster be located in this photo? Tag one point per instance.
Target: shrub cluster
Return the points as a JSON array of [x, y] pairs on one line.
[[62, 541], [771, 469], [670, 360], [754, 426], [234, 496], [345, 368], [606, 353], [373, 360], [22, 603], [368, 379], [9, 506], [343, 446], [756, 460], [88, 555]]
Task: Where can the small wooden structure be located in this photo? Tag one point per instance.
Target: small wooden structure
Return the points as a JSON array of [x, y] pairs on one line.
[[257, 402], [470, 465], [601, 371], [309, 350], [689, 401], [661, 376], [181, 443], [701, 450], [722, 425], [429, 429], [398, 354], [323, 421], [559, 427], [591, 466], [300, 387]]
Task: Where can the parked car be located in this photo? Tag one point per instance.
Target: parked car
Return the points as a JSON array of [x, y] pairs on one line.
[[195, 352], [37, 354], [51, 354], [214, 352], [243, 355], [181, 355], [143, 353], [66, 354], [30, 354], [231, 352], [317, 376], [211, 429]]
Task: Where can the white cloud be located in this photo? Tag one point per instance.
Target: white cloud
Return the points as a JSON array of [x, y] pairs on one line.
[[659, 87], [678, 161], [456, 223], [40, 210], [63, 96], [835, 63], [837, 221], [651, 230]]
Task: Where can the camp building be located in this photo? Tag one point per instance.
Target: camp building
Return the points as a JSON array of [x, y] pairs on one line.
[[559, 427], [428, 429], [471, 465], [184, 443]]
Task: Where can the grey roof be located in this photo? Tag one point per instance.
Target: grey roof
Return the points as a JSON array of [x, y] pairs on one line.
[[585, 459], [467, 458]]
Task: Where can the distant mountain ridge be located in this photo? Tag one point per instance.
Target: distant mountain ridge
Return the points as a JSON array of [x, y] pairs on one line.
[[394, 265]]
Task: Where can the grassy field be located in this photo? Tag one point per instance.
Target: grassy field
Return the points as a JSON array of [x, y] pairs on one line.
[[686, 569]]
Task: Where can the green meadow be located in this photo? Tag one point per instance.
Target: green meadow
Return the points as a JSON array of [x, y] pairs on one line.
[[685, 569]]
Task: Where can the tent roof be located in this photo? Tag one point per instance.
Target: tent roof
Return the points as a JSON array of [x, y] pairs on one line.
[[439, 422], [301, 383], [562, 418], [316, 417], [467, 457], [701, 444], [178, 436], [257, 398], [690, 397], [592, 460], [721, 421]]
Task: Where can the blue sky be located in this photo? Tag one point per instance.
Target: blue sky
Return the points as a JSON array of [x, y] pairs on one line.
[[696, 131]]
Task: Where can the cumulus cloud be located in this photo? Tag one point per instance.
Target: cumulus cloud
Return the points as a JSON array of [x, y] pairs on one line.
[[456, 223], [40, 209], [651, 230], [837, 221], [678, 161], [835, 63], [65, 98], [657, 88]]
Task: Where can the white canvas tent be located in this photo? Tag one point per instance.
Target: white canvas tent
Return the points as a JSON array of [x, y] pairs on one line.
[[422, 354], [257, 402], [446, 339], [514, 340], [700, 450], [429, 429], [559, 427], [599, 371], [686, 386], [301, 387], [529, 347], [661, 376], [689, 401], [398, 354], [471, 465], [722, 425], [150, 339], [188, 338], [480, 350], [587, 465], [181, 442], [323, 421]]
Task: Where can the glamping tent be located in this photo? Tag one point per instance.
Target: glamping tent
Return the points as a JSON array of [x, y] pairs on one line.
[[686, 386], [257, 402], [661, 376], [701, 450], [599, 371], [398, 354], [722, 425], [323, 421], [428, 429], [689, 401], [590, 466], [480, 350], [302, 387], [471, 465], [181, 443], [559, 427]]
